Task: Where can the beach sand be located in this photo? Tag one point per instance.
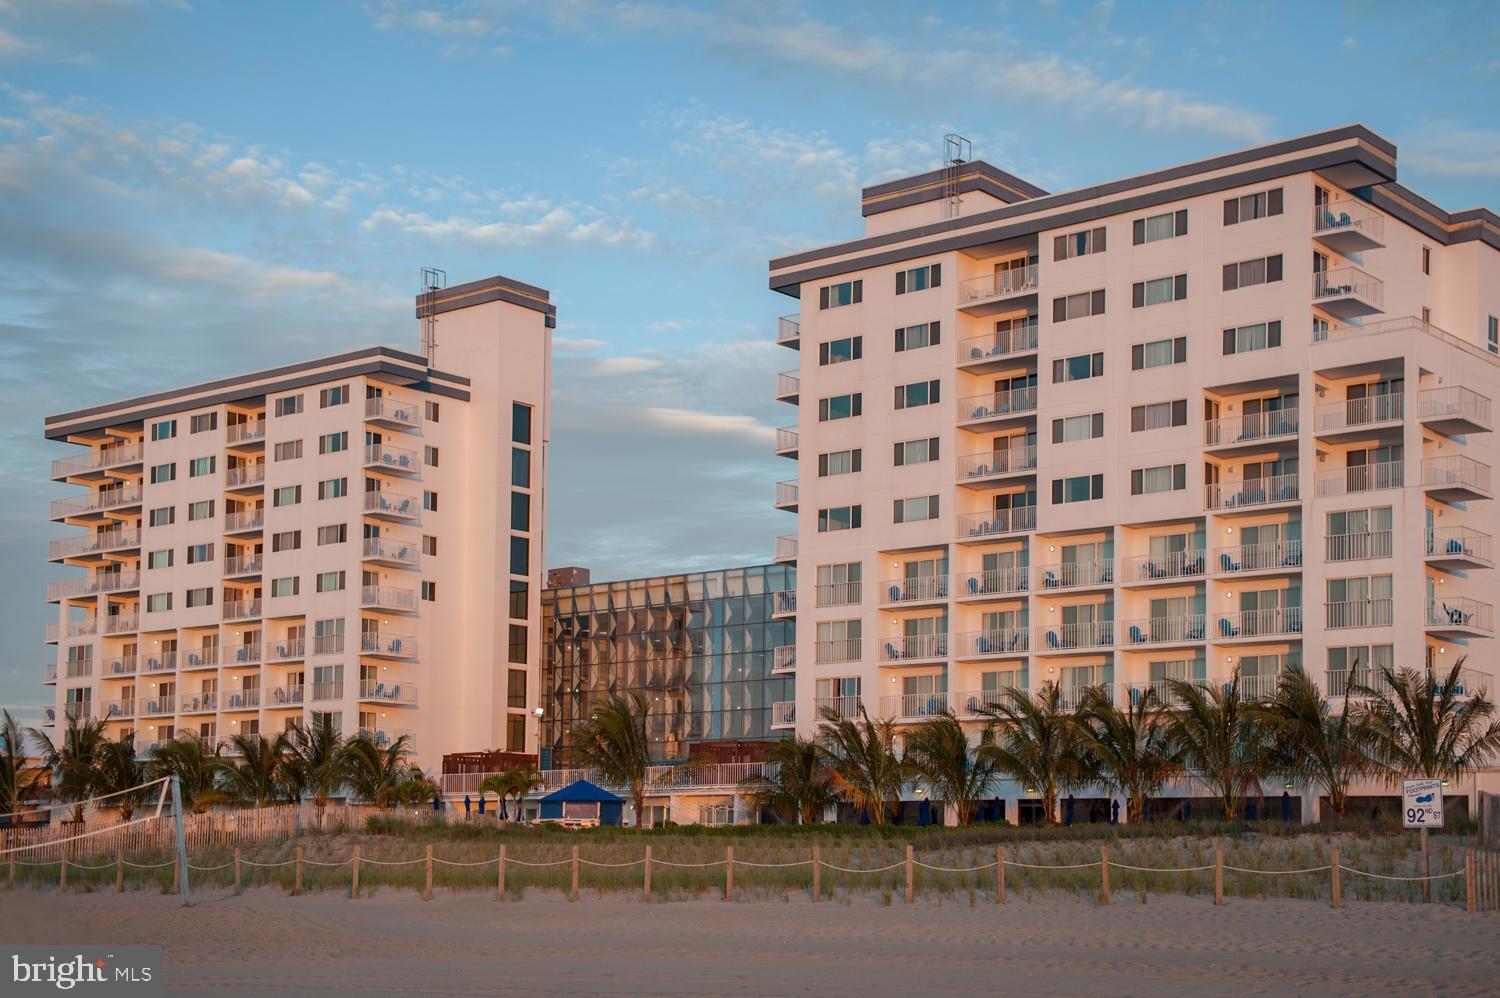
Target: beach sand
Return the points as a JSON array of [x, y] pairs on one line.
[[468, 944]]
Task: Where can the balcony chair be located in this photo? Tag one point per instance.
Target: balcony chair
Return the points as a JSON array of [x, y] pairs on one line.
[[982, 645], [895, 594], [382, 739], [973, 584], [975, 353], [1226, 629], [980, 413], [1150, 571], [1454, 547], [152, 664], [1195, 633], [1052, 641], [1135, 697], [379, 690], [1015, 640], [891, 652], [401, 554], [1137, 635], [396, 692], [234, 700], [1050, 580], [194, 659], [1228, 564]]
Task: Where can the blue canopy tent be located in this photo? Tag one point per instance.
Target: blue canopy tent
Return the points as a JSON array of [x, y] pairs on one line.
[[583, 800]]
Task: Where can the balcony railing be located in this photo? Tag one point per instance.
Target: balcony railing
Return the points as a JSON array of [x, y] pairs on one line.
[[49, 672], [396, 459], [1270, 622], [918, 589], [786, 547], [97, 460], [1001, 521], [157, 706], [1164, 630], [1075, 693], [1354, 413], [1251, 492], [78, 668], [122, 623], [243, 609], [393, 410], [786, 495], [109, 540], [388, 596], [914, 705], [1167, 566], [1358, 547], [998, 462], [784, 658], [242, 699], [788, 329], [245, 519], [1461, 612], [1455, 472], [1162, 688], [1349, 225], [1354, 682], [975, 702], [71, 629], [995, 641], [328, 691], [839, 650], [284, 696], [1252, 428], [389, 549], [1361, 478], [786, 440], [119, 709], [328, 644], [1018, 337], [909, 647], [246, 432], [89, 585], [386, 692], [287, 649], [839, 593], [1464, 543], [95, 502], [841, 706], [783, 714], [388, 643], [242, 654], [786, 602], [1266, 556], [1088, 634], [1455, 403], [199, 658], [1347, 282], [243, 564], [78, 710], [392, 504], [996, 582], [1359, 613], [788, 385], [1073, 574], [195, 703], [997, 405], [49, 716], [165, 661], [1000, 284], [245, 475]]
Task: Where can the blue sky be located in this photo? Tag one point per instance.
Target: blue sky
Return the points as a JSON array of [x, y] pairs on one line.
[[189, 190]]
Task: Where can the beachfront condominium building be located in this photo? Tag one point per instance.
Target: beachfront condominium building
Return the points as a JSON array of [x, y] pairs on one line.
[[356, 537], [1230, 415]]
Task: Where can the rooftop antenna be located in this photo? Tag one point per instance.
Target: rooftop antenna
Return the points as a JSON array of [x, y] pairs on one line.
[[957, 151], [433, 281]]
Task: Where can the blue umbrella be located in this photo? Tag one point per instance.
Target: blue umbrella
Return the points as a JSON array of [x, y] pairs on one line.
[[1251, 809], [468, 805], [1286, 806], [1187, 810], [500, 814], [481, 805], [437, 803], [1068, 811], [924, 813], [998, 814], [1114, 812]]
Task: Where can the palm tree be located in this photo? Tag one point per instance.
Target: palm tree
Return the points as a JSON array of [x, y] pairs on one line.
[[862, 756], [74, 762], [1422, 726], [317, 761], [521, 781], [373, 772], [197, 764], [1309, 743], [497, 784], [120, 771], [801, 788], [1035, 742], [18, 782], [259, 777], [1127, 749], [613, 741], [1216, 734], [938, 750]]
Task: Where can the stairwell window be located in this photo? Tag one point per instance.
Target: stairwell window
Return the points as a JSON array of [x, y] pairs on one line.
[[199, 554], [338, 395], [844, 293], [1158, 353], [288, 586], [839, 518], [333, 443], [159, 559], [926, 334], [1077, 368], [287, 495], [329, 582], [288, 450], [164, 430], [1261, 270], [1158, 291], [920, 451], [163, 516], [918, 393], [1154, 228], [1166, 478], [841, 350], [164, 473], [1078, 306], [200, 466], [158, 602], [334, 533], [289, 405], [839, 462], [286, 540], [1494, 335], [1252, 206], [915, 509], [1071, 428], [203, 509], [918, 279], [1080, 243], [1079, 488], [333, 488], [200, 597], [1256, 336], [840, 407], [204, 422], [1158, 415]]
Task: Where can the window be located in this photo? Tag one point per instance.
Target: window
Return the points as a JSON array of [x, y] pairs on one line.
[[333, 488], [839, 585], [164, 430], [1427, 259], [1078, 244], [429, 545], [1078, 306], [1252, 206], [520, 595], [839, 462], [842, 350], [1426, 316], [1263, 270], [203, 509], [1167, 478], [158, 602], [198, 554], [204, 422], [433, 412], [1494, 335], [520, 423], [430, 456], [918, 508], [429, 591], [1364, 661], [288, 450], [520, 511], [515, 686], [286, 587], [1158, 291], [835, 295], [1070, 428], [918, 393], [918, 451], [287, 495], [516, 651], [918, 279], [838, 518], [1084, 365], [520, 556], [334, 533], [329, 397], [926, 334], [159, 559], [163, 515], [837, 641], [1154, 228], [200, 597], [520, 467], [429, 500], [1356, 534], [839, 407], [1158, 415], [1158, 353], [163, 473], [1362, 601], [287, 540], [1079, 488], [332, 443], [289, 405], [1258, 336], [330, 582]]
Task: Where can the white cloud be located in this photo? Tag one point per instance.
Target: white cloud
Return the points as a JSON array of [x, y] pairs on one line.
[[568, 343], [697, 423], [559, 225], [624, 365], [1454, 153], [254, 278]]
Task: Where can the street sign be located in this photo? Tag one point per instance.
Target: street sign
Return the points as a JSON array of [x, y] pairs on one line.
[[1422, 803]]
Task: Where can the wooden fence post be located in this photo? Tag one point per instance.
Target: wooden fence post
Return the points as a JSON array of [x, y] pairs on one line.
[[573, 895], [999, 874], [176, 875], [62, 876], [119, 869], [908, 873], [1218, 874], [236, 871], [297, 883], [1333, 864], [13, 869], [728, 873], [1104, 874], [354, 875], [427, 888], [817, 887], [646, 889], [500, 877], [1469, 879]]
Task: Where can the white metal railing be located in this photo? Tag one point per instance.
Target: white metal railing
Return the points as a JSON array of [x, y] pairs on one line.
[[78, 710], [78, 668], [88, 585], [786, 546], [160, 662], [783, 713], [913, 705], [1454, 402], [1258, 687], [95, 460], [94, 502], [786, 493], [994, 641], [242, 699], [49, 715], [393, 458], [72, 547], [1351, 216], [388, 643], [1359, 613], [386, 692], [788, 329], [923, 588], [1346, 682], [242, 609], [1014, 401], [1163, 630], [243, 564], [246, 432], [1350, 413], [245, 519], [973, 702], [1000, 521], [1267, 555], [1019, 337], [393, 410], [838, 650], [784, 658], [842, 706], [1088, 634], [1402, 324], [786, 439], [1464, 542], [997, 581], [287, 648], [157, 706], [1254, 427], [1461, 611], [193, 703], [49, 672], [1019, 280], [245, 474], [787, 383], [1170, 565], [1269, 622], [1358, 547], [198, 658], [285, 696], [1073, 694], [391, 596], [121, 665], [333, 690], [1455, 470], [245, 654], [122, 623], [389, 549], [384, 737], [1072, 574], [1343, 282], [328, 644], [1361, 478], [997, 462], [118, 708], [1251, 492], [905, 647], [1165, 694], [392, 503], [839, 593]]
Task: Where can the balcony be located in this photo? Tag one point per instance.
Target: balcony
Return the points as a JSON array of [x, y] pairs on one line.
[[1348, 293], [1359, 613], [786, 604], [244, 521], [1074, 694], [286, 650], [390, 551], [1067, 638], [96, 460], [122, 623], [783, 715], [1252, 430], [333, 690], [1244, 559], [49, 672], [999, 582], [973, 527], [783, 660], [786, 496], [1282, 621], [840, 706], [977, 703], [242, 699], [1075, 575], [78, 710], [243, 609], [839, 593], [96, 502], [71, 629], [245, 476], [200, 658], [788, 387], [1252, 492], [203, 702], [392, 506], [91, 585], [786, 549], [1456, 478], [992, 351], [910, 649], [384, 737], [1360, 478], [1460, 547], [402, 694], [789, 331], [243, 564], [252, 431], [979, 412], [328, 644], [1348, 226], [786, 442], [92, 544], [1359, 546], [990, 292], [997, 642], [388, 598], [913, 706], [1454, 409], [396, 413], [1370, 412], [387, 644], [1158, 631], [1162, 690], [285, 696], [242, 655], [160, 662], [1160, 569], [914, 591], [837, 650], [997, 465], [1459, 616], [393, 460], [159, 706], [115, 710], [49, 716]]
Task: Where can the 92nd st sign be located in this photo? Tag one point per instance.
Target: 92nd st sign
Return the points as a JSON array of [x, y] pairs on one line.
[[1422, 803]]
